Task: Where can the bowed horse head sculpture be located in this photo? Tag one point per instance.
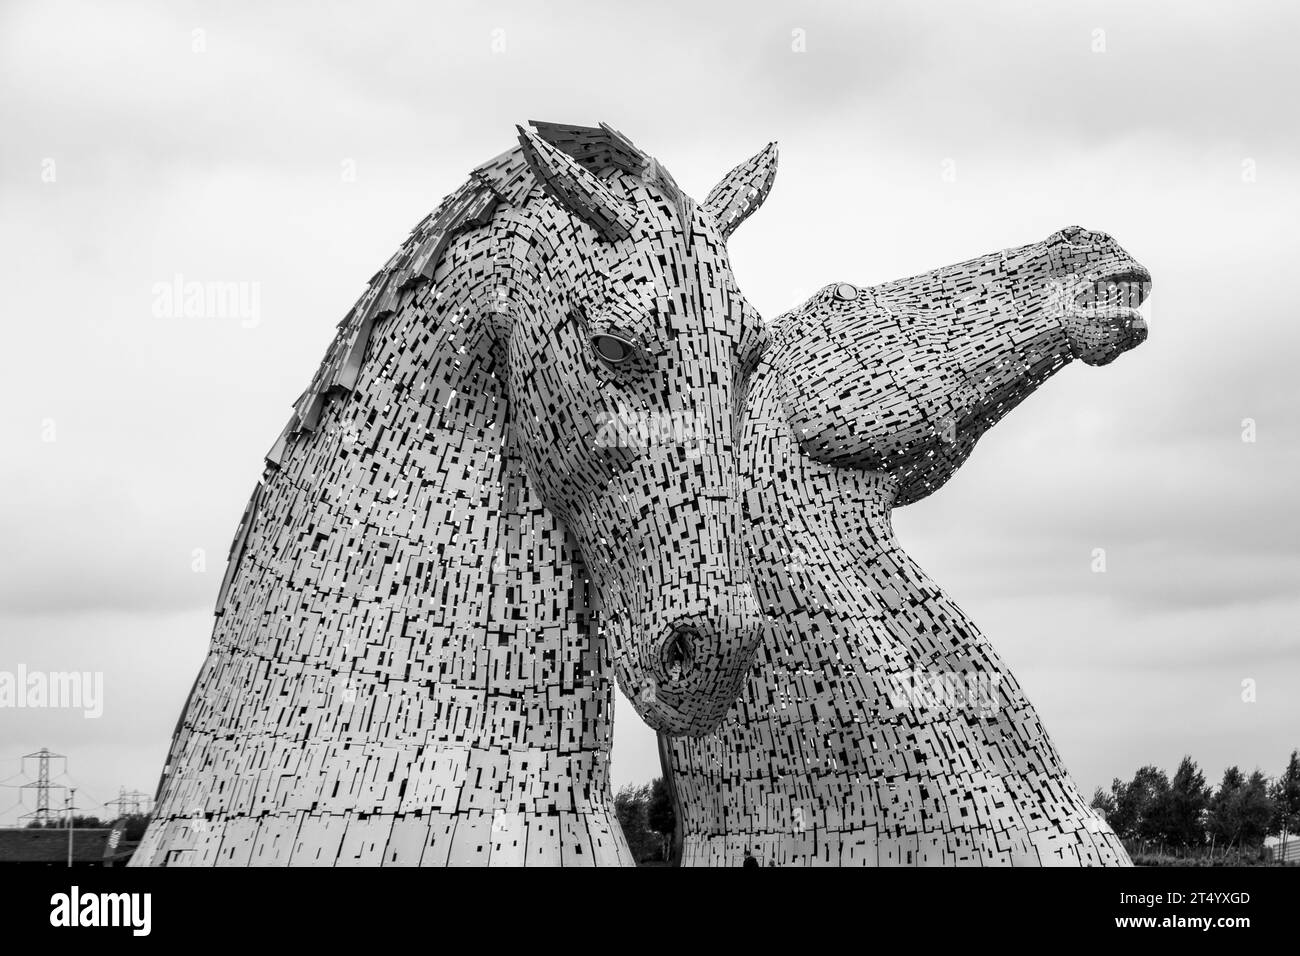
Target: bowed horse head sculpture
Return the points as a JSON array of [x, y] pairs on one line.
[[512, 477], [628, 362]]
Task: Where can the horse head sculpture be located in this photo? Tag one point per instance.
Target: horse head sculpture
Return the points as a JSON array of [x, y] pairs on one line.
[[879, 726], [474, 517], [646, 326], [920, 368]]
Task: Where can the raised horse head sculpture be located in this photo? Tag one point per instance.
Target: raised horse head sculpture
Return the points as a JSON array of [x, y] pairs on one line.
[[903, 378], [879, 726], [449, 556]]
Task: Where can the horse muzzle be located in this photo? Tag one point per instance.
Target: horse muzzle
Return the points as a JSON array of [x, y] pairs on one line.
[[699, 660], [1103, 321]]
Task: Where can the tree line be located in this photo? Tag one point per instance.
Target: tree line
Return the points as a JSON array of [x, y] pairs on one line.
[[1185, 815], [646, 815]]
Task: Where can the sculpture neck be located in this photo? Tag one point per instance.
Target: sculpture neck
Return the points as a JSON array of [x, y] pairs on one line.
[[840, 516]]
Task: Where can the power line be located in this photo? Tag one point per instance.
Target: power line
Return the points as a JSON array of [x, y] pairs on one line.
[[127, 803], [76, 786], [41, 815]]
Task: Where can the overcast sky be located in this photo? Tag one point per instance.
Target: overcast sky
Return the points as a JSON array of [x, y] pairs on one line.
[[294, 146]]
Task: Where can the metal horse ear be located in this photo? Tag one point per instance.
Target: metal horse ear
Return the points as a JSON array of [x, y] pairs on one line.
[[578, 190], [742, 190]]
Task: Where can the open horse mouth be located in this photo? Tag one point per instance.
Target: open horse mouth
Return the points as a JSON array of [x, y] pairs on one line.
[[1103, 321], [1116, 295]]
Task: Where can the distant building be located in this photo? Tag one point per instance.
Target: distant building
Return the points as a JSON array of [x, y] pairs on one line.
[[1273, 845]]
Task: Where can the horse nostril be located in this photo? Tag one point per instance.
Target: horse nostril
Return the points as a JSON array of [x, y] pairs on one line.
[[678, 651]]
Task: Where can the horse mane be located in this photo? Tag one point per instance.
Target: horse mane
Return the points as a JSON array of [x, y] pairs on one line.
[[506, 180], [503, 182]]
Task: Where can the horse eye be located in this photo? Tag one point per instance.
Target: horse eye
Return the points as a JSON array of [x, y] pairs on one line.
[[611, 348]]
